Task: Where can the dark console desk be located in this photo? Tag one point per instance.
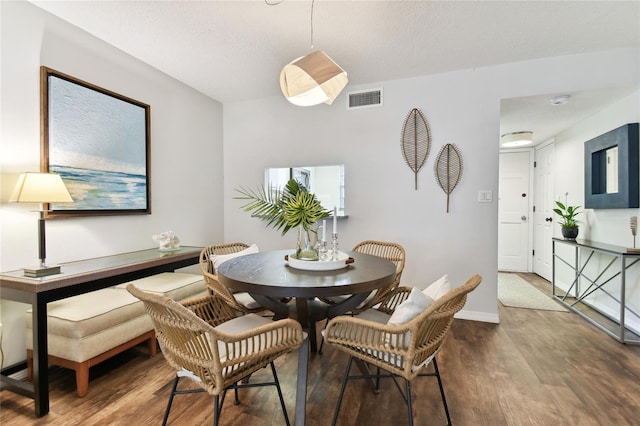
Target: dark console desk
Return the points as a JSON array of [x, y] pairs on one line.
[[76, 278]]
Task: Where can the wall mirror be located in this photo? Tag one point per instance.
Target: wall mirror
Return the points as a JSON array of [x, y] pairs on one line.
[[611, 169], [327, 182]]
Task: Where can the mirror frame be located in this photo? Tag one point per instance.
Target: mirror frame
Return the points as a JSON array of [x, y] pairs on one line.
[[626, 138]]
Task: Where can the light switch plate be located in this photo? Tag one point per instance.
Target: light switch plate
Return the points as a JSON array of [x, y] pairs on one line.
[[485, 196]]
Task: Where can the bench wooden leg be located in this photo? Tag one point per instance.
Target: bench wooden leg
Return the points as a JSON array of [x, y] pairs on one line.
[[82, 378], [29, 365], [82, 368], [153, 344]]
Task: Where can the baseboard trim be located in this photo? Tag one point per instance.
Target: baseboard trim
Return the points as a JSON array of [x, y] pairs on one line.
[[478, 316]]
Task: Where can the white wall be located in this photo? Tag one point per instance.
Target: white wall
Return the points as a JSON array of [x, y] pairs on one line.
[[186, 151], [381, 202], [609, 226]]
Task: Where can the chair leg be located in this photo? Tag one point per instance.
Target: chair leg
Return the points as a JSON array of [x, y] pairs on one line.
[[409, 407], [344, 385], [277, 382], [173, 393], [444, 399], [216, 410], [236, 401]]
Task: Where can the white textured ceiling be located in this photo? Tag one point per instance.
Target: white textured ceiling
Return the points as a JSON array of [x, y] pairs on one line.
[[234, 50]]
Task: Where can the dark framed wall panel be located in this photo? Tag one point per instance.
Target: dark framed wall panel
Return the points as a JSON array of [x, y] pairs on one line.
[[626, 139]]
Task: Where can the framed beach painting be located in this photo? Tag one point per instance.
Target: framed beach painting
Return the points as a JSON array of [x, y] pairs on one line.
[[98, 141]]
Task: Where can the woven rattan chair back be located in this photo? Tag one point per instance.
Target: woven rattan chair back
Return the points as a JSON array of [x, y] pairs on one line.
[[393, 252], [210, 274], [220, 249]]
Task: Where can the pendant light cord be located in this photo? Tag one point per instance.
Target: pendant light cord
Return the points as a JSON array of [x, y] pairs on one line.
[[312, 2], [277, 2]]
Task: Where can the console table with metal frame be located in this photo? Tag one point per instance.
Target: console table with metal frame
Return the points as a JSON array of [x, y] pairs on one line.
[[76, 278], [621, 259]]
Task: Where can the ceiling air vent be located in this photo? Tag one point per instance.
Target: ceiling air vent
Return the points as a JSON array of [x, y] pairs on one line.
[[370, 98]]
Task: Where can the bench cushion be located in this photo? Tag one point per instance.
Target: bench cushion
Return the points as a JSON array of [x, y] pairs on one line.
[[85, 348], [174, 285], [86, 314], [84, 326]]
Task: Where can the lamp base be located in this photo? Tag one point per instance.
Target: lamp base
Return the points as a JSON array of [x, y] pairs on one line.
[[41, 271]]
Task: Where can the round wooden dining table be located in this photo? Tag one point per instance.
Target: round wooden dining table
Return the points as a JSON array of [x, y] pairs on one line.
[[268, 277]]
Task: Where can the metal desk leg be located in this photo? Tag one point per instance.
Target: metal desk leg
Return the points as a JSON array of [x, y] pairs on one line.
[[301, 389], [578, 273], [623, 296], [40, 357]]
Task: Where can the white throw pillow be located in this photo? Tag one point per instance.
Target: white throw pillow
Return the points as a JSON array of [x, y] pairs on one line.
[[415, 304], [438, 288], [218, 259], [410, 308]]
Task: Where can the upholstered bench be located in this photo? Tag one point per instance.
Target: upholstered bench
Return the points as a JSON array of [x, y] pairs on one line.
[[87, 329]]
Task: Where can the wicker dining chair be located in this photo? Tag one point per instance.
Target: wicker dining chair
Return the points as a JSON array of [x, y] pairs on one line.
[[393, 252], [401, 350], [217, 346], [241, 300]]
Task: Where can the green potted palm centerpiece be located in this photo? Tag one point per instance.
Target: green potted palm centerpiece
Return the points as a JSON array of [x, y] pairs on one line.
[[285, 208], [569, 224]]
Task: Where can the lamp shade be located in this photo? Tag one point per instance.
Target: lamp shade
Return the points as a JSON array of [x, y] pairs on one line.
[[511, 140], [40, 188], [312, 79]]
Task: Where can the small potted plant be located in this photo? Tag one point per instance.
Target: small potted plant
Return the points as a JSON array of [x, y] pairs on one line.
[[569, 223]]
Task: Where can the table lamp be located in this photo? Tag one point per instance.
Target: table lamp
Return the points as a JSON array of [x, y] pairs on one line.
[[41, 188]]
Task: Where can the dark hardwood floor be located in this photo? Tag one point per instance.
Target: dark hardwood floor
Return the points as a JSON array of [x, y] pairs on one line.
[[534, 368]]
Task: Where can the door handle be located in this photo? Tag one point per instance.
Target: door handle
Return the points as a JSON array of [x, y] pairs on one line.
[[523, 218], [548, 219]]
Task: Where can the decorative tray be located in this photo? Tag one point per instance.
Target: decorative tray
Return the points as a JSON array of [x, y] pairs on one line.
[[317, 265]]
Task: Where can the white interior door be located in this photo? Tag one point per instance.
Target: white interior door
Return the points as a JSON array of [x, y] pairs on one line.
[[543, 211], [513, 212]]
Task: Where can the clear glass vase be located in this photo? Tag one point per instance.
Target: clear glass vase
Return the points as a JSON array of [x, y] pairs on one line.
[[307, 248]]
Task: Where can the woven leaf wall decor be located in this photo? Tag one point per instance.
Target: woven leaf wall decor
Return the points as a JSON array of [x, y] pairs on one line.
[[416, 141], [448, 169]]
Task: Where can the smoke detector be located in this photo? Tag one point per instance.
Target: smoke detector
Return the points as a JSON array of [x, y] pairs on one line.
[[559, 100]]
